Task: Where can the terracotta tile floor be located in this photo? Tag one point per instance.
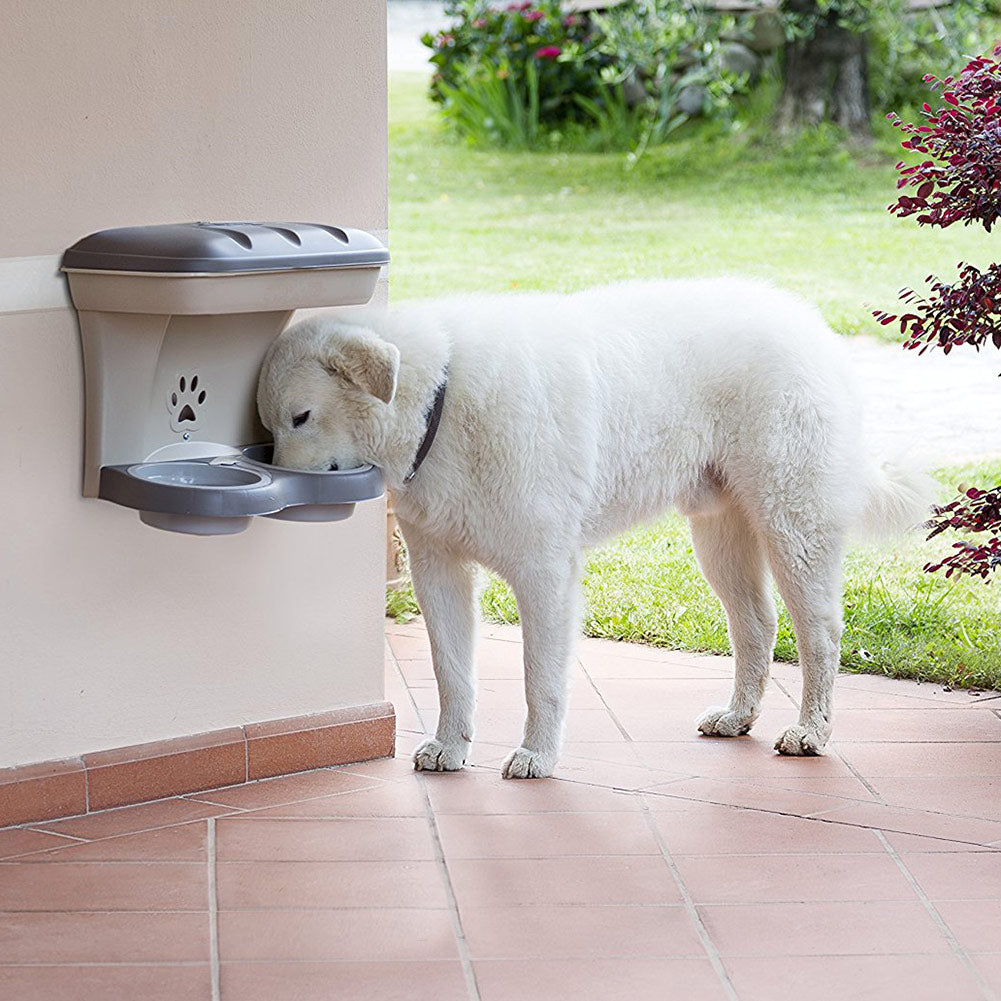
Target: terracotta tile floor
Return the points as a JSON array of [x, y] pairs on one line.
[[657, 864]]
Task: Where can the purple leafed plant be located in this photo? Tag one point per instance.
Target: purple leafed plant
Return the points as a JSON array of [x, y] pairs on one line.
[[974, 511], [959, 180]]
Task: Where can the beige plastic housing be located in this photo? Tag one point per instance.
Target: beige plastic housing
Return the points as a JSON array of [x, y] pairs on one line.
[[171, 361]]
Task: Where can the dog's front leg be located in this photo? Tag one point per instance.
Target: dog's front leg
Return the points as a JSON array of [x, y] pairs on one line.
[[548, 602], [445, 590]]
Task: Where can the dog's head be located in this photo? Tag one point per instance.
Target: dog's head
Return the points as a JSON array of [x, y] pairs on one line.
[[321, 387]]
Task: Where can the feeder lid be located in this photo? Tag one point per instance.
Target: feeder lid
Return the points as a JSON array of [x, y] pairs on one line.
[[225, 248]]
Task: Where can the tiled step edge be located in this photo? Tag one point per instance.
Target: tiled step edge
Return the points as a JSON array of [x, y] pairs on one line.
[[127, 775]]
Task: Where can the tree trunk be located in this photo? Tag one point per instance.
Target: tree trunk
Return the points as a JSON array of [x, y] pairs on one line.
[[825, 77]]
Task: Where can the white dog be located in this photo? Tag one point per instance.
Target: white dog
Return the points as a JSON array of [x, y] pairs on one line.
[[568, 418]]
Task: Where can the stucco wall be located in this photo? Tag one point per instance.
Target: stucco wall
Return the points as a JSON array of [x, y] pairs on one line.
[[119, 113]]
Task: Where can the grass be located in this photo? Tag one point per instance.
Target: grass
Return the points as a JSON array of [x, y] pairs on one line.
[[645, 587], [810, 216]]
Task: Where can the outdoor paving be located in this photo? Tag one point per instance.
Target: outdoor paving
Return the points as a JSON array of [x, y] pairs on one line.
[[656, 864]]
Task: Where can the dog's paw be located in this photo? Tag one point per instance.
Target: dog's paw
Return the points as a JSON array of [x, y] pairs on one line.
[[719, 721], [522, 763], [800, 740], [434, 756]]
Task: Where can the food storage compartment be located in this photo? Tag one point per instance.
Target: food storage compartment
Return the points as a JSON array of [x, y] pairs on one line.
[[175, 322]]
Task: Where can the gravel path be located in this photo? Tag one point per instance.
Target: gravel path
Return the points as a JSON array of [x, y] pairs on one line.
[[933, 409]]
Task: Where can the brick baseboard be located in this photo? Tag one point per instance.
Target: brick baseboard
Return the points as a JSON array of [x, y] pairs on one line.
[[128, 775]]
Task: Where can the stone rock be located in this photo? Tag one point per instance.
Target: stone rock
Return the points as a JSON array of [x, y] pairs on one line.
[[766, 33], [633, 89], [739, 59], [692, 99]]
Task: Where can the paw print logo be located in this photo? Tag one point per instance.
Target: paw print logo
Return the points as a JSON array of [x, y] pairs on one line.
[[184, 404]]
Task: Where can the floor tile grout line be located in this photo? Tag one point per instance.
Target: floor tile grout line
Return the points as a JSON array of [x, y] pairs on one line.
[[701, 931], [625, 957], [213, 901], [861, 778], [961, 954], [777, 682], [816, 818], [469, 974], [127, 964], [227, 813], [73, 839], [376, 784], [846, 801], [410, 694], [615, 719]]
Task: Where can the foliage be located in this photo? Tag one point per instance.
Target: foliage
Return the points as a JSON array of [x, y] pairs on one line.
[[498, 57], [901, 41], [802, 18], [513, 74], [630, 77], [975, 511], [959, 180], [960, 177], [663, 51], [904, 44], [496, 110]]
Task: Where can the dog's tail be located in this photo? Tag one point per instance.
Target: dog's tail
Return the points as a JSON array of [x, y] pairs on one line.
[[897, 498]]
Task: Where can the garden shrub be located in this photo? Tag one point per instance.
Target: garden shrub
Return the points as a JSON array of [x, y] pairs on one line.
[[958, 179], [669, 56], [516, 73], [496, 61], [905, 44], [508, 75]]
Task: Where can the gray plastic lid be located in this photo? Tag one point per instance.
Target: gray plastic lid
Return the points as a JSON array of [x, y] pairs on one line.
[[225, 248]]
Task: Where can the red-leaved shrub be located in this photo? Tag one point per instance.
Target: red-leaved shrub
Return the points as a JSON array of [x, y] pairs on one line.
[[958, 181]]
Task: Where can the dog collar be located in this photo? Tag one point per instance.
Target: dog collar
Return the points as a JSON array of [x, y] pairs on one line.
[[431, 421]]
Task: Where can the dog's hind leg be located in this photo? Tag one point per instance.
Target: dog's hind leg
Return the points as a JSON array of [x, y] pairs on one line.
[[445, 590], [807, 569], [733, 560], [548, 603]]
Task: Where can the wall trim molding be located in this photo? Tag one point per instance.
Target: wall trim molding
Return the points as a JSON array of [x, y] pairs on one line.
[[50, 790], [35, 284], [32, 284]]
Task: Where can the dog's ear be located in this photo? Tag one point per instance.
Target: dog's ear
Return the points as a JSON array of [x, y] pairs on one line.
[[365, 361]]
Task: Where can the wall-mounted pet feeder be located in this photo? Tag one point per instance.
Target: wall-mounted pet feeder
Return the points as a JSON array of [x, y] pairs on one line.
[[175, 322]]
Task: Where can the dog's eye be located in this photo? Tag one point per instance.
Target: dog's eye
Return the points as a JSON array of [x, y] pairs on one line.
[[300, 419]]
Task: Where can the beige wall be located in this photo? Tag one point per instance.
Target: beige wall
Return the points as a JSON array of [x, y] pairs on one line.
[[119, 113]]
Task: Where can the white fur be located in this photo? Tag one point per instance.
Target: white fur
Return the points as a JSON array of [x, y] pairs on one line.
[[567, 419]]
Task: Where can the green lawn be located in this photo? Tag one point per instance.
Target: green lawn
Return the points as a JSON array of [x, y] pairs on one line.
[[812, 218]]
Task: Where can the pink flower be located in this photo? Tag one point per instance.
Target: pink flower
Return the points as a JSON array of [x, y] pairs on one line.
[[548, 52], [533, 15], [571, 21], [480, 22], [443, 40]]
